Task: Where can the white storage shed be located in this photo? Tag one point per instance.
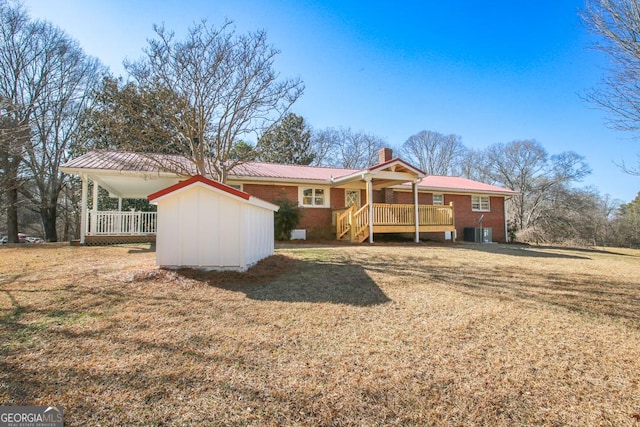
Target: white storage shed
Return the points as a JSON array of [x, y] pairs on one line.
[[209, 225]]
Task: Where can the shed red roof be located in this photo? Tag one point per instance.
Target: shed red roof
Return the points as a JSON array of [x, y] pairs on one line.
[[199, 178]]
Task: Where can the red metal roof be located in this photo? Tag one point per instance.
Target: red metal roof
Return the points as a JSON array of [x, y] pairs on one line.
[[199, 178], [456, 183], [294, 172], [124, 161]]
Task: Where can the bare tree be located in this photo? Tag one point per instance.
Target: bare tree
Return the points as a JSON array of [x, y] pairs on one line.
[[324, 143], [47, 78], [359, 150], [14, 137], [433, 152], [617, 22], [526, 167], [218, 88], [18, 94], [473, 164], [346, 148]]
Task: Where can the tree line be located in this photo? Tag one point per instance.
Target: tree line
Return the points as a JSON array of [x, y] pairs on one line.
[[208, 97]]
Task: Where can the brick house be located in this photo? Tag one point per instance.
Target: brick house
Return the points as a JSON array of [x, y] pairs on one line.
[[336, 203]]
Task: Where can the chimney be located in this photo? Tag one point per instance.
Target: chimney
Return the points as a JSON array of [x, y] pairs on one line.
[[384, 155]]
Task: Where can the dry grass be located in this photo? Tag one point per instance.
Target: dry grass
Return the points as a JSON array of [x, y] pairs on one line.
[[350, 335]]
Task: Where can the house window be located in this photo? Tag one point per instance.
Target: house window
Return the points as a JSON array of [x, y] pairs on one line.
[[313, 197], [236, 186], [438, 199], [352, 198], [480, 203]]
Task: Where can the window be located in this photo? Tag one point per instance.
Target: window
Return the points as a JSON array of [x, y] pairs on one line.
[[236, 186], [352, 198], [313, 197], [438, 199], [480, 203]]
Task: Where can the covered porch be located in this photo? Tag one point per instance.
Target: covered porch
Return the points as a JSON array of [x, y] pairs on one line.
[[99, 226], [359, 224]]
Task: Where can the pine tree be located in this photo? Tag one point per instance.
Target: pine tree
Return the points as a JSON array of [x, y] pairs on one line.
[[289, 142]]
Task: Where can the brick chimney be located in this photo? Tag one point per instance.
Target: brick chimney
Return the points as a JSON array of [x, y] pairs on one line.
[[384, 155]]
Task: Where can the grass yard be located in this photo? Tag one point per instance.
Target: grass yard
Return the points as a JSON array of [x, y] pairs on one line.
[[348, 335]]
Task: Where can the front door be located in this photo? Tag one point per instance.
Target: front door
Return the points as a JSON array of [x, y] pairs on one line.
[[352, 197]]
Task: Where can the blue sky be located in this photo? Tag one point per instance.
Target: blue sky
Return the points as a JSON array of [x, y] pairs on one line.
[[490, 72]]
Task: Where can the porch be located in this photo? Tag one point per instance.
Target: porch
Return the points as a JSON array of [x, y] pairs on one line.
[[111, 227], [353, 224]]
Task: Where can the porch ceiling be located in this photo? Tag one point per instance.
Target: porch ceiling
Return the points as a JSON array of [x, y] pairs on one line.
[[380, 179], [131, 186]]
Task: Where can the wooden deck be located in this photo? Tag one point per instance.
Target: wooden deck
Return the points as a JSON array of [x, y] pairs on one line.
[[353, 224]]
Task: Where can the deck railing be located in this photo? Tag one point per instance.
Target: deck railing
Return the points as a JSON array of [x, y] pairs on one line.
[[360, 228], [435, 215], [386, 214], [390, 215], [116, 223]]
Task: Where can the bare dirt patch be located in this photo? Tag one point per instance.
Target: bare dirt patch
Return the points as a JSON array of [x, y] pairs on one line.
[[320, 335]]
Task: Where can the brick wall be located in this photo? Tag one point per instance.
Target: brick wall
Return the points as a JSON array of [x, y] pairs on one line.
[[317, 221], [337, 198], [271, 193], [406, 198], [465, 217]]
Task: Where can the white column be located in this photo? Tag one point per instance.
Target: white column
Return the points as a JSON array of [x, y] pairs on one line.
[[119, 217], [369, 181], [414, 186], [94, 214], [83, 208]]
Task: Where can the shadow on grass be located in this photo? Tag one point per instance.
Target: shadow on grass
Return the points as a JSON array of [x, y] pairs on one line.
[[280, 278], [321, 282], [519, 250]]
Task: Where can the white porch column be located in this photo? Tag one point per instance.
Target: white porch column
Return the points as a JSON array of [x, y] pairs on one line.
[[414, 187], [83, 208], [369, 182], [119, 217], [94, 214]]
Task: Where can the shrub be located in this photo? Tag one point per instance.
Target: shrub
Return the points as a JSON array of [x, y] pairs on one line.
[[286, 219]]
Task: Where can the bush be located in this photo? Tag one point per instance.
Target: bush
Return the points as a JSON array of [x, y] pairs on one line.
[[286, 219]]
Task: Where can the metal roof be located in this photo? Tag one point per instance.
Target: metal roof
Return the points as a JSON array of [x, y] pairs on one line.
[[459, 184], [105, 162]]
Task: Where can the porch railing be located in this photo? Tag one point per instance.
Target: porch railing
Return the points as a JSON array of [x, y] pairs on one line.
[[355, 223], [386, 214], [116, 223]]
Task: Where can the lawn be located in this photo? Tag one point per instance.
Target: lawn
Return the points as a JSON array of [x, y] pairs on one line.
[[350, 335]]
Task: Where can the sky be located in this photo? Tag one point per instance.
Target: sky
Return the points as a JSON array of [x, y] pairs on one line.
[[489, 71]]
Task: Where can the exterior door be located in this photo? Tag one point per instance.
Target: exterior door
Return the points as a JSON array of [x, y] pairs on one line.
[[352, 197]]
